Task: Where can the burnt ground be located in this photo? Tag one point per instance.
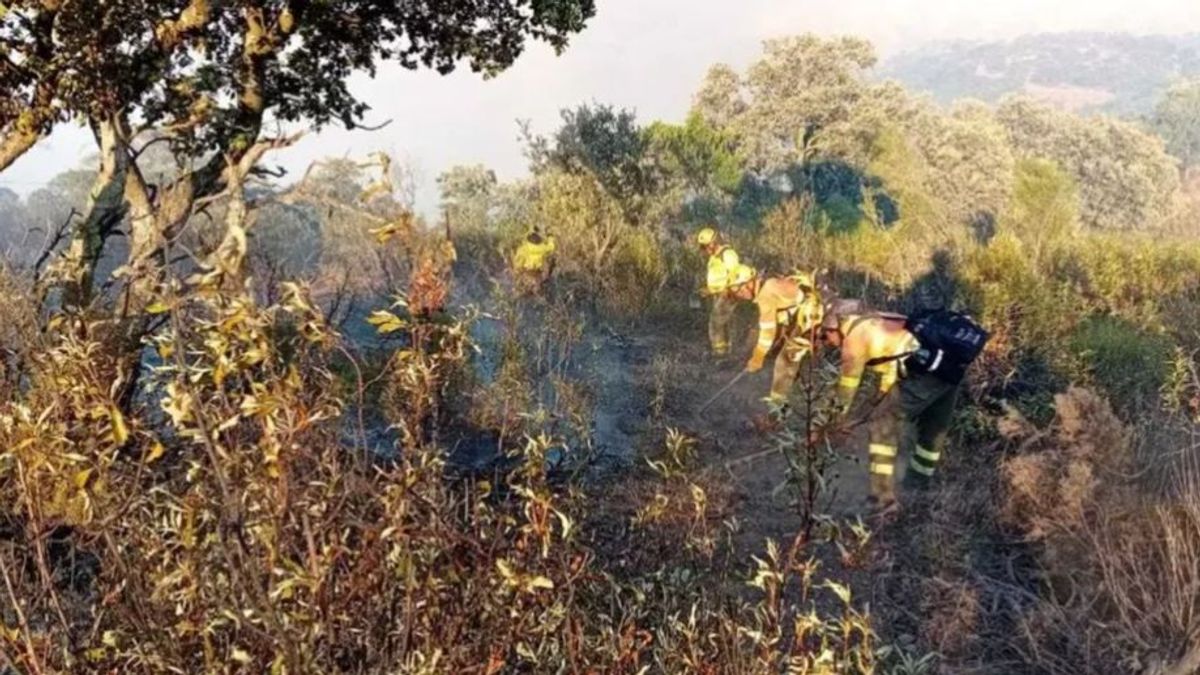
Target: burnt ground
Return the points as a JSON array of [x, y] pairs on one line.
[[939, 577]]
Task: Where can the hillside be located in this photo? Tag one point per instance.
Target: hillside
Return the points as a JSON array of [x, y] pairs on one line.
[[1117, 73]]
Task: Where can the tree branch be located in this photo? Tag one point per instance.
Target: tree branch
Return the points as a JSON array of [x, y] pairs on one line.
[[16, 143]]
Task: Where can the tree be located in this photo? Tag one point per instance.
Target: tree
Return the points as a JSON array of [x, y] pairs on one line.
[[1126, 179], [587, 220], [608, 144], [797, 124], [1177, 120], [696, 154], [468, 196], [209, 76], [792, 105], [969, 159]]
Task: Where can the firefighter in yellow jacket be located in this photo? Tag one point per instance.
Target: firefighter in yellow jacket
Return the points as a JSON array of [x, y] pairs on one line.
[[533, 261], [789, 313], [723, 265], [880, 343]]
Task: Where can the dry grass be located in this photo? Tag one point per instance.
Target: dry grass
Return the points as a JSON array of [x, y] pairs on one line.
[[1121, 563]]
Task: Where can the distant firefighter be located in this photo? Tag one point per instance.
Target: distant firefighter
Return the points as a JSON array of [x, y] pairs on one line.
[[724, 266], [533, 261]]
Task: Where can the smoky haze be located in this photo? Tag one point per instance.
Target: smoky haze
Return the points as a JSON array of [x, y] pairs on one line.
[[647, 55]]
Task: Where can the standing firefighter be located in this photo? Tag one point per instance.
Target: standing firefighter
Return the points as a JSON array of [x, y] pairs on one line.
[[533, 261], [789, 310], [723, 266], [927, 354]]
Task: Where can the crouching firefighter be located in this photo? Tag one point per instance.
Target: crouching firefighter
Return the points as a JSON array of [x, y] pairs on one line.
[[921, 361], [789, 313]]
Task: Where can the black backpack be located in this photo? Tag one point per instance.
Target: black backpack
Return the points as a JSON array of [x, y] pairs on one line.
[[950, 341]]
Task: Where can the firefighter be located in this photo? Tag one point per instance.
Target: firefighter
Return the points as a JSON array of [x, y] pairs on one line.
[[789, 311], [533, 261], [723, 264], [916, 385]]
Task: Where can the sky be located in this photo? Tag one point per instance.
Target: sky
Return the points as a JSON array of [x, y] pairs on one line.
[[647, 55]]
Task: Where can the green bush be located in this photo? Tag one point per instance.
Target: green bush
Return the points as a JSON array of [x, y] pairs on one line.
[[1129, 363], [1029, 316], [639, 270]]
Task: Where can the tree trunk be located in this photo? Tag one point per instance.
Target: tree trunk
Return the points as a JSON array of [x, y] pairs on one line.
[[105, 209]]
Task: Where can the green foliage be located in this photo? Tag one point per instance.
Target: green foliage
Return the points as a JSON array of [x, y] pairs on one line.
[[610, 146], [970, 161], [903, 197], [700, 156], [1126, 180], [794, 103], [1135, 280], [185, 63], [1177, 119], [1044, 210], [588, 222], [787, 240], [468, 196], [1129, 363], [1027, 314], [639, 271]]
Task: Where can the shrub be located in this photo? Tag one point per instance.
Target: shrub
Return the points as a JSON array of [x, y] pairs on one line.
[[1028, 316], [639, 271], [1129, 364], [1120, 564], [1044, 210]]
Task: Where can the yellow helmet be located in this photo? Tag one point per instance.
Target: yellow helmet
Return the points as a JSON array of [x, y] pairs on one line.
[[706, 236]]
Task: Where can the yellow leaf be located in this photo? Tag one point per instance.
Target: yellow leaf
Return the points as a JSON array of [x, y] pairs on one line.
[[81, 478], [287, 22], [156, 451], [109, 639], [841, 591], [539, 582], [505, 569], [120, 431], [165, 350], [386, 322], [240, 655], [157, 308]]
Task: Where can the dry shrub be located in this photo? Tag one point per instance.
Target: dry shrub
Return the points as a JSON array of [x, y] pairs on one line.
[[1056, 484], [954, 616], [1120, 566]]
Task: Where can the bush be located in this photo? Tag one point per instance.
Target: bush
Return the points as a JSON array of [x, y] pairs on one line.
[[1028, 315], [639, 271], [1121, 564], [1044, 210], [1129, 364]]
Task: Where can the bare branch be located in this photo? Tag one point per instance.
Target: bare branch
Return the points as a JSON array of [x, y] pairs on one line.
[[55, 240], [369, 127]]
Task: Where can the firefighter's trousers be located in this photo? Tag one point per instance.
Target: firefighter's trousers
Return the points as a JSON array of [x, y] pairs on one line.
[[719, 322], [927, 403]]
